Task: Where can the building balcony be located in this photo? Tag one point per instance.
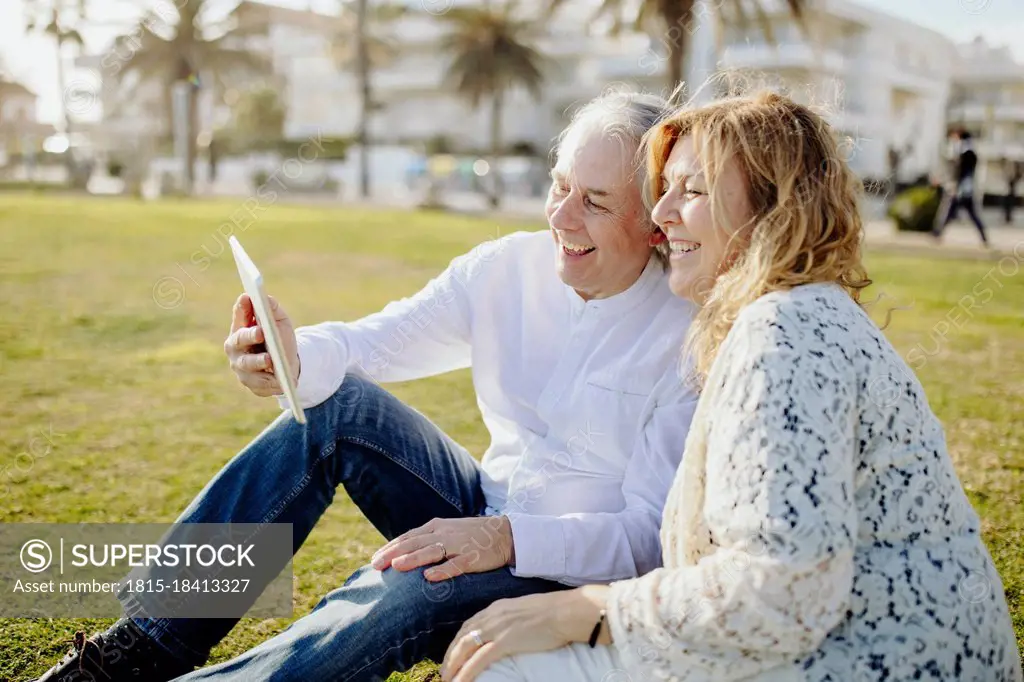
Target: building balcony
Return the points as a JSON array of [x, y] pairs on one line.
[[417, 31], [988, 149], [604, 69], [423, 78], [556, 46], [796, 55], [982, 113], [1009, 112], [850, 122], [914, 81], [970, 113]]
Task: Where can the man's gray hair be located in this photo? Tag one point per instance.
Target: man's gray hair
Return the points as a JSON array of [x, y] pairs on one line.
[[620, 114], [627, 116]]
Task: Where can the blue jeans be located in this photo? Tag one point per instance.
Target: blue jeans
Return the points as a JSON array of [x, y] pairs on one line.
[[402, 471]]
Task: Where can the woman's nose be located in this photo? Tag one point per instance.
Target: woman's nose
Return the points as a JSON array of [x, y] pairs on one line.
[[665, 212]]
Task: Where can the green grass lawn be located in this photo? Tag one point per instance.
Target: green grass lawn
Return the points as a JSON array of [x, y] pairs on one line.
[[111, 344]]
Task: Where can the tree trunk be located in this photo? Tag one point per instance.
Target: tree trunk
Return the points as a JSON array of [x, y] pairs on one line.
[[192, 125], [497, 102], [677, 59], [69, 158], [187, 128], [366, 105]]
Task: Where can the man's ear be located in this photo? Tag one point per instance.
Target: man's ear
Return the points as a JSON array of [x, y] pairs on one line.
[[657, 237]]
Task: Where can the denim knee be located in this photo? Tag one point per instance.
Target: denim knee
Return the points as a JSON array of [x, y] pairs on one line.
[[404, 594], [351, 400], [388, 621]]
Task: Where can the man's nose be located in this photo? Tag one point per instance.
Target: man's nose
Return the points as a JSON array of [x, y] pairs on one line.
[[566, 217]]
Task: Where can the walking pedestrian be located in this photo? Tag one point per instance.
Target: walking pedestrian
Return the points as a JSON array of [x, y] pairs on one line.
[[963, 192]]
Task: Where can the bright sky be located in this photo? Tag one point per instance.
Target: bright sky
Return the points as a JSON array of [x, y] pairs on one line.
[[1001, 22], [31, 59]]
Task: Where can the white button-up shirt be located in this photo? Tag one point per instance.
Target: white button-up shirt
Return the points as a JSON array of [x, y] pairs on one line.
[[583, 400]]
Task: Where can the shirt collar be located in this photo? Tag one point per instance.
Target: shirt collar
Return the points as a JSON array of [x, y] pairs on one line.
[[623, 301]]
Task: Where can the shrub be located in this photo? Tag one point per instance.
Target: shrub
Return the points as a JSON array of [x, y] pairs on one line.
[[438, 144], [915, 209], [259, 178], [523, 148], [322, 148], [32, 186]]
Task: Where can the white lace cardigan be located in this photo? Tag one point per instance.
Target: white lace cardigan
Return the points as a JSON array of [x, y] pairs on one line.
[[816, 529]]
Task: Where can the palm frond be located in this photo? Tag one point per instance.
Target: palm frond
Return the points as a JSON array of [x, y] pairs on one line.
[[381, 51], [670, 14], [388, 12], [643, 16], [554, 6], [151, 54], [613, 8], [738, 13], [798, 9], [158, 24], [491, 52], [72, 36], [169, 47], [765, 22]]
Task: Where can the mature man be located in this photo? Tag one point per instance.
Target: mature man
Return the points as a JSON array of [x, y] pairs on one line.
[[573, 338]]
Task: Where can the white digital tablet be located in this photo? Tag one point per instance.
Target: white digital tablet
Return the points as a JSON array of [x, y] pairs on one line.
[[252, 281]]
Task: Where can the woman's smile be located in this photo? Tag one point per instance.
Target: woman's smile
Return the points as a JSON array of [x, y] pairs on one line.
[[681, 248]]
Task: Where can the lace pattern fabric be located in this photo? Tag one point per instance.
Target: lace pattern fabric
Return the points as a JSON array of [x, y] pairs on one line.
[[816, 529]]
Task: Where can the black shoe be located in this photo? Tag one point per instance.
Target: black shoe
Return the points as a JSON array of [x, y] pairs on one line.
[[123, 652]]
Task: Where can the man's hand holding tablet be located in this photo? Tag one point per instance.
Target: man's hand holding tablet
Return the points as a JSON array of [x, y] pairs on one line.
[[247, 353], [261, 345]]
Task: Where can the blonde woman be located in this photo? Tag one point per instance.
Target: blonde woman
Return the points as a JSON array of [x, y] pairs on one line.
[[816, 529]]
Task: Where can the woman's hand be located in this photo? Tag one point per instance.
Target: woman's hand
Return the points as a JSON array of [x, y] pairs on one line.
[[473, 545], [538, 622]]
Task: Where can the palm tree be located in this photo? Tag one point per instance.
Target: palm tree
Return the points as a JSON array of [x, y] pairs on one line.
[[491, 54], [177, 45], [358, 48], [59, 20], [677, 19]]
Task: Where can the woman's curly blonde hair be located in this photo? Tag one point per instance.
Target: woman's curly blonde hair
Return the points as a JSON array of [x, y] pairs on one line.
[[805, 226]]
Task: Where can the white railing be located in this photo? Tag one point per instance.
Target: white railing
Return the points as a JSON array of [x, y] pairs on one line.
[[784, 55], [1009, 112], [911, 79], [426, 76]]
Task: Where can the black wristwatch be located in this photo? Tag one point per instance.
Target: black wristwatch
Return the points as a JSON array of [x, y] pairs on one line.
[[597, 629]]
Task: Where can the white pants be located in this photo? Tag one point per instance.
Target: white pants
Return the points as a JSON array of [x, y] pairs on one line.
[[575, 663], [580, 663]]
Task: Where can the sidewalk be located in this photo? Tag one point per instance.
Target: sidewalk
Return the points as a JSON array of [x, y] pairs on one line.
[[960, 238]]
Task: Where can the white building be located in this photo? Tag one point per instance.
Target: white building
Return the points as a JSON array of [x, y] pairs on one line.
[[988, 100], [134, 111], [885, 83], [414, 103], [20, 131], [882, 81]]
